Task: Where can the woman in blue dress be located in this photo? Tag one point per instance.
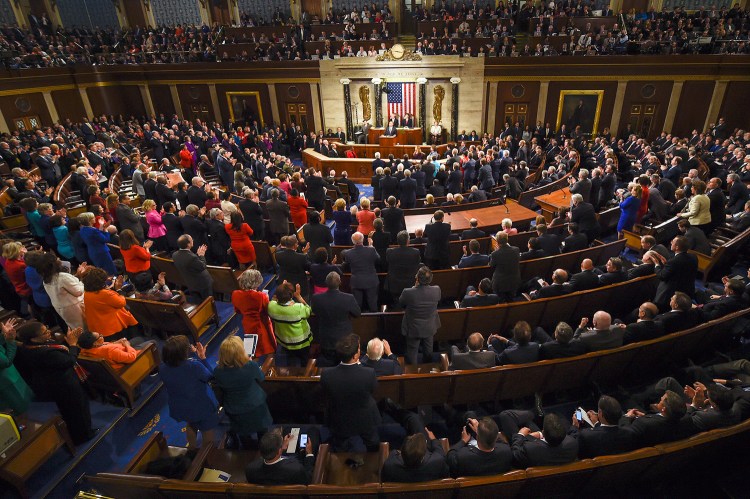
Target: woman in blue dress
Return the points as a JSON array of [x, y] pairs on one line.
[[342, 233], [191, 399], [629, 209], [96, 243]]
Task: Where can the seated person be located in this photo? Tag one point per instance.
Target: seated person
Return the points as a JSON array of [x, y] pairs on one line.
[[557, 288], [645, 328], [380, 358], [482, 297], [535, 250], [575, 241], [659, 426], [146, 289], [645, 268], [475, 357], [273, 469], [419, 460], [710, 407], [117, 353], [605, 437], [614, 272], [519, 350], [563, 345], [532, 447], [725, 304], [474, 258], [490, 456], [602, 336], [681, 316], [474, 232]]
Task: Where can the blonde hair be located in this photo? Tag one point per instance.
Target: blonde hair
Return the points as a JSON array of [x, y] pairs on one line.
[[458, 198], [364, 203], [340, 204], [149, 204], [12, 250], [232, 353], [429, 199]]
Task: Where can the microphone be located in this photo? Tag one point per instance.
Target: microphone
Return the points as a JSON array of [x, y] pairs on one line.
[[562, 189]]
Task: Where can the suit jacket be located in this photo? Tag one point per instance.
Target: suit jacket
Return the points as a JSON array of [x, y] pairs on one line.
[[642, 331], [718, 201], [467, 460], [506, 276], [602, 440], [193, 270], [196, 196], [600, 340], [722, 306], [556, 350], [351, 407], [438, 237], [550, 243], [393, 221], [473, 233], [292, 268], [278, 213], [473, 260], [471, 360], [677, 274], [362, 261], [288, 471], [613, 277], [529, 451], [128, 219], [432, 467], [582, 187], [403, 264], [334, 311], [408, 191], [575, 242], [738, 195], [253, 215], [194, 227], [174, 229], [550, 291], [421, 319], [677, 320], [386, 366], [698, 420], [698, 241], [583, 280], [650, 429]]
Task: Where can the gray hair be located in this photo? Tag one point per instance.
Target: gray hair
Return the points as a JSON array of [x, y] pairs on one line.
[[214, 212], [86, 218], [249, 279], [375, 349], [577, 198], [192, 210]]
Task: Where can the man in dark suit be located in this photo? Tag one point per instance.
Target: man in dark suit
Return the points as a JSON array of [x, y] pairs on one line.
[[393, 218], [583, 214], [196, 193], [388, 185], [390, 130], [614, 272], [407, 191], [192, 268], [475, 357], [293, 265], [575, 241], [127, 218], [377, 163], [279, 215], [380, 357], [555, 288], [491, 456], [421, 320], [334, 311], [681, 315], [697, 240], [348, 387], [562, 346], [506, 276], [655, 428], [548, 242], [606, 437], [361, 261], [676, 274], [645, 328], [172, 224], [194, 226], [419, 460], [730, 301], [738, 194], [473, 232], [531, 447], [437, 252], [519, 350], [473, 258], [718, 202], [271, 469], [252, 212], [582, 186], [710, 407], [603, 336], [403, 263]]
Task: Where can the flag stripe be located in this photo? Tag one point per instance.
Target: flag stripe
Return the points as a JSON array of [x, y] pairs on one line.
[[402, 99]]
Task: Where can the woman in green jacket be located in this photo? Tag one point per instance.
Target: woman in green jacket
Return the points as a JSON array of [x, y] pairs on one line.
[[289, 314], [15, 394]]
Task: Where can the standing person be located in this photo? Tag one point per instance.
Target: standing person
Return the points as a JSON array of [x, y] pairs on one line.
[[253, 214], [186, 382], [437, 253], [192, 267], [96, 243], [342, 231], [506, 275], [238, 379], [60, 230], [52, 372], [239, 235], [334, 311], [289, 313], [156, 230], [65, 290], [137, 258], [253, 306], [403, 263], [278, 213], [104, 309], [365, 217], [15, 267], [421, 320], [127, 218], [629, 209], [698, 211], [15, 394], [362, 261], [297, 208], [349, 387], [316, 234]]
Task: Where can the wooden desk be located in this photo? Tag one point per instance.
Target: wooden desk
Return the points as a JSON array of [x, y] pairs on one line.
[[489, 218], [39, 441], [403, 136], [552, 202]]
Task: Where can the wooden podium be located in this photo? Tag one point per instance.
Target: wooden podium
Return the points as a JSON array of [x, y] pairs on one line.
[[404, 136], [552, 202]]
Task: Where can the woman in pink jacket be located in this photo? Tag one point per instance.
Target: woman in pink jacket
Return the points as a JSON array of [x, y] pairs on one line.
[[156, 229]]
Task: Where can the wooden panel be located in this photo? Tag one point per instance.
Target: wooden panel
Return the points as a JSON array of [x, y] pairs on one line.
[[134, 13], [692, 107], [161, 97], [553, 98], [262, 89], [654, 93], [18, 106], [125, 100], [514, 93], [194, 95], [299, 93], [734, 108], [68, 104]]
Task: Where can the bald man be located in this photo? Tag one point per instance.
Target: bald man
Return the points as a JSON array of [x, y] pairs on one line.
[[645, 328], [602, 336], [585, 279]]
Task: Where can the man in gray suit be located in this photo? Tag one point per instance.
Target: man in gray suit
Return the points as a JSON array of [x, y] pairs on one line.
[[421, 320], [582, 186], [475, 358], [127, 218], [506, 273], [603, 336], [278, 213], [361, 261], [192, 267]]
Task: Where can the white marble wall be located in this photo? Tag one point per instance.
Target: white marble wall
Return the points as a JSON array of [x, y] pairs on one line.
[[437, 69]]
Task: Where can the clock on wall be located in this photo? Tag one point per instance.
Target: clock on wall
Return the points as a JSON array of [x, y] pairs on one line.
[[397, 51]]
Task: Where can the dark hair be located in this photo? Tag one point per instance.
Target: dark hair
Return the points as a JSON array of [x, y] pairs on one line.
[[95, 279], [485, 285], [563, 333], [522, 333], [413, 450], [175, 350], [269, 444], [34, 259], [28, 331], [611, 409], [682, 243], [128, 239], [721, 397], [167, 206], [55, 221], [487, 432], [674, 407], [320, 255], [474, 246], [554, 431], [314, 217], [424, 275], [49, 266], [534, 243], [284, 292], [86, 340], [236, 219], [347, 347], [74, 225]]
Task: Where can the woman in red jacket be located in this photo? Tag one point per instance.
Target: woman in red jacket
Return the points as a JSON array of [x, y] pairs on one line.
[[253, 305], [239, 235], [15, 266], [297, 208], [136, 257]]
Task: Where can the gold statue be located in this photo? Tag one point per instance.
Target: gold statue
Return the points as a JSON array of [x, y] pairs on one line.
[[437, 106], [364, 97]]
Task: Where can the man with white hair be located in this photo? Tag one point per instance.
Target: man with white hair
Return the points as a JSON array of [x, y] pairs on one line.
[[377, 162], [603, 335], [361, 261], [380, 357]]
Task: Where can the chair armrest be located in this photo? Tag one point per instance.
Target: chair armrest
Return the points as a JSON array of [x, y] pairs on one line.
[[195, 468], [320, 464]]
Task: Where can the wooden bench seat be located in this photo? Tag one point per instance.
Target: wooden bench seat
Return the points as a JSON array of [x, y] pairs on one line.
[[721, 255], [331, 468], [125, 380], [173, 318]]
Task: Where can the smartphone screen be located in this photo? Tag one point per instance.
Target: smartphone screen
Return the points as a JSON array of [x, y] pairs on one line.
[[579, 414], [302, 440]]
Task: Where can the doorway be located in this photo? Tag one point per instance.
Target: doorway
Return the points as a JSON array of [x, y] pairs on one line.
[[297, 114], [220, 13], [313, 8]]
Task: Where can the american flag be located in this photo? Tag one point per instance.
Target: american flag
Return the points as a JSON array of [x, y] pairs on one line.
[[402, 98]]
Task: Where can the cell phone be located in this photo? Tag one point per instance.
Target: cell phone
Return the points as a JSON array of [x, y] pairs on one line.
[[579, 415], [302, 440], [251, 342]]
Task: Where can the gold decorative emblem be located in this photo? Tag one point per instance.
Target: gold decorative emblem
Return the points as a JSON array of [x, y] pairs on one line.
[[437, 106], [398, 53], [364, 97]]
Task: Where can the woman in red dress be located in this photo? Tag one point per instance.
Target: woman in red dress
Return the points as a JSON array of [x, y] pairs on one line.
[[239, 235], [253, 305], [297, 209]]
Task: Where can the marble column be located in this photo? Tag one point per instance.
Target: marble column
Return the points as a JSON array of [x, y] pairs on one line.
[[378, 102], [422, 82], [347, 106], [454, 107]]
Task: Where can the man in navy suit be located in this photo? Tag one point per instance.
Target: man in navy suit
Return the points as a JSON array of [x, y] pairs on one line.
[[421, 320], [390, 130], [407, 191], [606, 437], [334, 311], [380, 357], [348, 387], [437, 252], [659, 427], [361, 261], [271, 469], [474, 258]]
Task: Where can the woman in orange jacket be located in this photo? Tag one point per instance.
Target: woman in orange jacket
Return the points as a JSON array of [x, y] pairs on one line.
[[104, 308]]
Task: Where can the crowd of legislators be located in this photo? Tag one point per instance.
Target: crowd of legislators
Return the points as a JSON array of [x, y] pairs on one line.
[[668, 32]]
